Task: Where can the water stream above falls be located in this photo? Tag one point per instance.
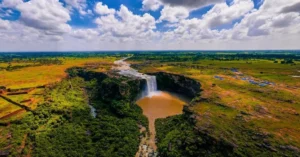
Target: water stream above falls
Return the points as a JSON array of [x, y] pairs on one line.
[[155, 104], [125, 70]]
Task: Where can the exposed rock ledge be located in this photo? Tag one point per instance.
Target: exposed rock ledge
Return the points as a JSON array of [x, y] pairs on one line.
[[177, 83]]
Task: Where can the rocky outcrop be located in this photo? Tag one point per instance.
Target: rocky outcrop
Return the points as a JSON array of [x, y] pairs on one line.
[[85, 74], [118, 89], [111, 86], [177, 83]]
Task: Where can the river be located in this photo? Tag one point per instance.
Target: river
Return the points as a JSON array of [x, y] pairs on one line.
[[160, 106], [155, 104]]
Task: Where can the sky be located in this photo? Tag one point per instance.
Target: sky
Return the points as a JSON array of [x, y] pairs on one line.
[[99, 25]]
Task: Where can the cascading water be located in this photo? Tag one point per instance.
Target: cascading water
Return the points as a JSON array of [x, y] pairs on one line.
[[125, 70], [151, 85], [93, 111]]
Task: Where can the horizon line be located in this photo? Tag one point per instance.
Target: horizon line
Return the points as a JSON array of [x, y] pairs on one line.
[[87, 51]]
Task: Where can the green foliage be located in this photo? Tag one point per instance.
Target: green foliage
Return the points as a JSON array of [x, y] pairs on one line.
[[64, 127], [177, 138], [67, 140], [287, 61]]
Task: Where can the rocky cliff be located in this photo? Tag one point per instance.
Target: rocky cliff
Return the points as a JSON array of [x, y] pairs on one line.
[[120, 89], [177, 83], [85, 74]]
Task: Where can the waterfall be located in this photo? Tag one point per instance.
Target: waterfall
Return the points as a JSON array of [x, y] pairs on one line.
[[93, 111], [151, 85], [125, 70]]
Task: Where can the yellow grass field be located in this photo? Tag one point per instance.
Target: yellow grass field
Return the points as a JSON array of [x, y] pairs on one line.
[[7, 108], [42, 75], [34, 76]]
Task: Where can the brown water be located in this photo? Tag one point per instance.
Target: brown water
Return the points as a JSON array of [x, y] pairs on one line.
[[160, 106]]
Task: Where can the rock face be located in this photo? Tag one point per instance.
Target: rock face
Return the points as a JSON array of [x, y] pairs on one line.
[[116, 89], [111, 86], [86, 75], [178, 84]]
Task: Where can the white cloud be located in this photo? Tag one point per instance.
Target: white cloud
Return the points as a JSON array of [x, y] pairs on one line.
[[10, 3], [4, 24], [219, 15], [102, 9], [43, 25], [268, 20], [199, 29], [222, 14], [173, 14], [76, 3], [18, 32], [125, 25], [285, 20], [46, 15], [87, 34], [80, 5], [151, 5]]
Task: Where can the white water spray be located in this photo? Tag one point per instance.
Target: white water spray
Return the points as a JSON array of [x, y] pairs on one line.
[[93, 111], [151, 85], [125, 70]]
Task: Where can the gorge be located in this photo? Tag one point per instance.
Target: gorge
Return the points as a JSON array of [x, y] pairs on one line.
[[155, 104]]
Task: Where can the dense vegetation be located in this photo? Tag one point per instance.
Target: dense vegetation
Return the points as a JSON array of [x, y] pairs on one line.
[[177, 138], [221, 56], [63, 126]]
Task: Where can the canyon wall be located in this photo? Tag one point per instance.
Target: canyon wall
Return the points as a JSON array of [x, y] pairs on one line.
[[178, 84]]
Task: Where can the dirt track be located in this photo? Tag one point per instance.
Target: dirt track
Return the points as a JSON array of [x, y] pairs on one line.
[[12, 114]]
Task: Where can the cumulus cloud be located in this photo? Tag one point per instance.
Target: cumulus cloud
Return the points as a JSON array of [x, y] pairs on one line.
[[173, 14], [275, 24], [125, 24], [284, 20], [222, 14], [18, 32], [76, 3], [198, 29], [292, 8], [258, 31], [191, 3], [87, 34], [47, 15], [79, 5], [10, 3], [151, 5], [102, 9], [4, 24], [268, 19]]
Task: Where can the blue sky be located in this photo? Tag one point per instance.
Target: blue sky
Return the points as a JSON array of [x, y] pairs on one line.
[[135, 6], [148, 24]]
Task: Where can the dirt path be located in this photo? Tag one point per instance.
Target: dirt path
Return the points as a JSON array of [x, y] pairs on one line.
[[12, 114], [23, 144], [15, 103]]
